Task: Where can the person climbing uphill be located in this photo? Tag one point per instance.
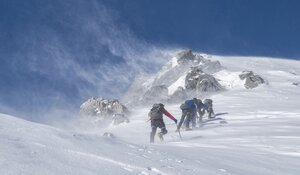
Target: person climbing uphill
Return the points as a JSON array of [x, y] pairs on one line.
[[156, 117], [208, 107], [189, 112]]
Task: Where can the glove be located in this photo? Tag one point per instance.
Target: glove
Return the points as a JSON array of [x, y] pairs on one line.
[[175, 120]]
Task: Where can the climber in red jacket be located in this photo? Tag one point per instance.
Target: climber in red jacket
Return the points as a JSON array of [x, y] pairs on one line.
[[156, 117]]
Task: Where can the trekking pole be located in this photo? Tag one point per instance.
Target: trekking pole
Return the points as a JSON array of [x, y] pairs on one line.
[[179, 134], [178, 130]]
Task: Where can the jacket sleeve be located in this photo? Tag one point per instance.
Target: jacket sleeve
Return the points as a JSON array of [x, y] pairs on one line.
[[168, 115]]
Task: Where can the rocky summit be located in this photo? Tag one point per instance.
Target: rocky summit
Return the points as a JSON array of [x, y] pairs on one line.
[[186, 74]]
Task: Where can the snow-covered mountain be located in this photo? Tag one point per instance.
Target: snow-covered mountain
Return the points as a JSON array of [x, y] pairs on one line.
[[186, 75], [258, 134]]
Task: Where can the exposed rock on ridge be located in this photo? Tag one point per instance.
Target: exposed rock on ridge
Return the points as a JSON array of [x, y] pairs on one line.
[[102, 108], [252, 80], [157, 89], [196, 79]]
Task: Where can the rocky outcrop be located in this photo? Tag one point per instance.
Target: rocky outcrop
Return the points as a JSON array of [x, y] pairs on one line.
[[296, 83], [154, 88], [197, 80], [187, 56], [252, 80], [102, 108], [185, 59], [109, 135]]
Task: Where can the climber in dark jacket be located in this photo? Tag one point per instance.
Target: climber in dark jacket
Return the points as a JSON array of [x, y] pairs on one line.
[[208, 107], [189, 112], [201, 110], [156, 117]]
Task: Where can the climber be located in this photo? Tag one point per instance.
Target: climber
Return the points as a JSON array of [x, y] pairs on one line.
[[156, 117]]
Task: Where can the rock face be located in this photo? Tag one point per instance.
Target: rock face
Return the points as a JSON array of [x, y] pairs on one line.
[[197, 80], [186, 57], [102, 108], [252, 80]]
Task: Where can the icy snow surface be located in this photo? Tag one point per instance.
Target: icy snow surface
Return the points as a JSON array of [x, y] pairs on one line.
[[260, 135]]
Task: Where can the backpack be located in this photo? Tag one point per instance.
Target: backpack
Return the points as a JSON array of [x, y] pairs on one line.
[[188, 105], [184, 107], [199, 104], [208, 101], [156, 112]]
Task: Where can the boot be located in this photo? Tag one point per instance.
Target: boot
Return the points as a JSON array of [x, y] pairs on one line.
[[160, 135], [188, 129]]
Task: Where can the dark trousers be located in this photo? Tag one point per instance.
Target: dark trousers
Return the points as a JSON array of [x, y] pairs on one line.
[[209, 109], [190, 117], [186, 114], [157, 123], [210, 112], [201, 113]]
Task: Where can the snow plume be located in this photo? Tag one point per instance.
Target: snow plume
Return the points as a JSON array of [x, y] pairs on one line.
[[68, 51]]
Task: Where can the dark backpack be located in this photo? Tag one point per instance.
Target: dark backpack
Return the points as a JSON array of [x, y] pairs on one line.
[[208, 101], [156, 112], [184, 107]]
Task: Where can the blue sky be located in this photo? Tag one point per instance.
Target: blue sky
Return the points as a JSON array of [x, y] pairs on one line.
[[235, 27], [56, 54]]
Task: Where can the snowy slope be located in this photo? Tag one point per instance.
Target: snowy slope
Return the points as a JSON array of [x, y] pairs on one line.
[[259, 135], [30, 148]]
